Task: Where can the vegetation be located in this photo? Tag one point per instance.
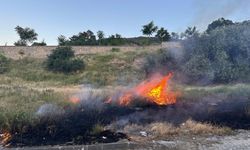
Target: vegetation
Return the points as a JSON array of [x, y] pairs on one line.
[[4, 64], [26, 35], [221, 22], [149, 29], [63, 60], [115, 50], [110, 68], [164, 130], [18, 105], [163, 35], [89, 38], [189, 32], [39, 43], [222, 56]]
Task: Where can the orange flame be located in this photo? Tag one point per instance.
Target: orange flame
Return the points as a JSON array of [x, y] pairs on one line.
[[155, 90], [74, 100], [5, 138]]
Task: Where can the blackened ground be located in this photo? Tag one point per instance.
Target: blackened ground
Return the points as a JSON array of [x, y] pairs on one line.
[[232, 113], [76, 124]]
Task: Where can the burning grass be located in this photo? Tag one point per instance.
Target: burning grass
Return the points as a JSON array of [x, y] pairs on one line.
[[34, 117], [41, 118], [156, 90]]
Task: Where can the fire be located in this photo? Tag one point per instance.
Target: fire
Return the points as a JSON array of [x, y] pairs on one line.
[[156, 90], [5, 138], [74, 100]]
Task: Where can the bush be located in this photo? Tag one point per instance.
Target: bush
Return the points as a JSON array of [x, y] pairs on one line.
[[198, 68], [115, 50], [4, 62], [63, 60], [225, 52], [39, 43], [222, 56], [162, 62]]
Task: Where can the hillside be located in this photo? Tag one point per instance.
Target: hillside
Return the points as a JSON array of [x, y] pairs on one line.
[[28, 86]]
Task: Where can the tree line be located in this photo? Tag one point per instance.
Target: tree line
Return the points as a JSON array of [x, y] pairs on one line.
[[221, 54], [152, 35]]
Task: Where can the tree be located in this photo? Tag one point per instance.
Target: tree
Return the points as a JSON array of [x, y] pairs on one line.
[[100, 35], [163, 34], [149, 29], [221, 22], [190, 32], [62, 40], [83, 38], [26, 35], [175, 36]]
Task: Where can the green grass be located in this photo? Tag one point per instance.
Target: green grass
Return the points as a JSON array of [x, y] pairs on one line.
[[19, 104], [194, 93], [101, 70]]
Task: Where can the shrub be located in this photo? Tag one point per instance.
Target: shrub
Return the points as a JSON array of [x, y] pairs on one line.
[[163, 61], [225, 52], [39, 43], [198, 68], [115, 50], [63, 60], [4, 62]]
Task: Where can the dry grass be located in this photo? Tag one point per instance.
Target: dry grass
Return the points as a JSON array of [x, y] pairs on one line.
[[163, 130], [198, 128]]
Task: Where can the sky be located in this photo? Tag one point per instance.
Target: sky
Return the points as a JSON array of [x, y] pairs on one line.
[[51, 18]]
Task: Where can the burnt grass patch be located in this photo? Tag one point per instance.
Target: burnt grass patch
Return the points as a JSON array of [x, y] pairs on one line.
[[75, 124]]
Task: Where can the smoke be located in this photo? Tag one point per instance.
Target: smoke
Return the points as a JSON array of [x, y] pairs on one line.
[[208, 11], [231, 113], [49, 110]]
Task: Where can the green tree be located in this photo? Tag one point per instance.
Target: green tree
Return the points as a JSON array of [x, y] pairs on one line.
[[100, 35], [221, 22], [62, 40], [190, 32], [83, 38], [175, 36], [149, 29], [27, 35], [163, 35]]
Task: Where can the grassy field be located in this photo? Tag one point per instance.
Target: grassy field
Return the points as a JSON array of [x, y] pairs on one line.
[[101, 69], [27, 85]]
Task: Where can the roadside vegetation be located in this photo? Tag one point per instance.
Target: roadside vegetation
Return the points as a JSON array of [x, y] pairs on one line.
[[112, 68], [63, 60], [212, 65], [4, 64], [165, 131], [18, 105], [220, 55]]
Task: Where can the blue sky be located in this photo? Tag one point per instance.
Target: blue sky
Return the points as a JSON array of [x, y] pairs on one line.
[[51, 18]]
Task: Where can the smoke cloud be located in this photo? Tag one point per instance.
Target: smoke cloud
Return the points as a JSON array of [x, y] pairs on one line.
[[208, 11]]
